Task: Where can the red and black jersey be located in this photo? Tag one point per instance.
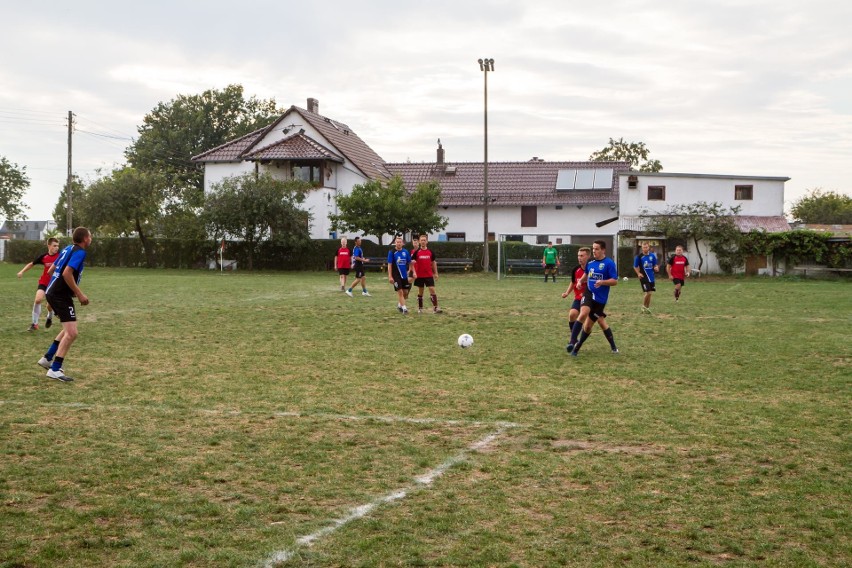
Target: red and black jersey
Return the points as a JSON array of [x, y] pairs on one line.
[[579, 289], [423, 259], [678, 265], [45, 260], [344, 258]]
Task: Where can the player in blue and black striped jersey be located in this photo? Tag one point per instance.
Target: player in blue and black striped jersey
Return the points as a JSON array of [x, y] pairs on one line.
[[645, 265], [601, 275], [61, 291], [399, 261]]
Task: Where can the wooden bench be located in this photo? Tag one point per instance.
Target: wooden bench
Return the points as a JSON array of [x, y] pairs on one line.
[[804, 269], [523, 265], [451, 263], [376, 262]]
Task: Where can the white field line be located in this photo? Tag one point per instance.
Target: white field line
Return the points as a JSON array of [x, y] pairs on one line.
[[361, 511], [280, 414]]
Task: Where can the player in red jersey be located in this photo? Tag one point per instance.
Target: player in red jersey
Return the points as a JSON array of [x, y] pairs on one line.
[[343, 263], [425, 273], [46, 260], [577, 287], [678, 269]]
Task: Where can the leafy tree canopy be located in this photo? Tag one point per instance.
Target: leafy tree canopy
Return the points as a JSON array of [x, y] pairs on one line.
[[823, 207], [701, 221], [634, 152], [258, 207], [188, 125], [13, 184], [60, 211], [379, 208]]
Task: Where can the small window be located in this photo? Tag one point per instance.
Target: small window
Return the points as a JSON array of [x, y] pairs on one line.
[[541, 239], [632, 182], [744, 192], [529, 216], [456, 237], [656, 193]]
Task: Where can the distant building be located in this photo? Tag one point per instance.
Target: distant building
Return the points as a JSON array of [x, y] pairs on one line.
[[26, 230]]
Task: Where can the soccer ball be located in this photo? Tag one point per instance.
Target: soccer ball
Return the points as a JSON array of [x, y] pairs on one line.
[[625, 278], [465, 340]]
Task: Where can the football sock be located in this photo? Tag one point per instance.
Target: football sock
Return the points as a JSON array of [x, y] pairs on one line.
[[36, 313], [677, 293], [434, 298], [349, 290], [57, 363], [51, 351], [583, 337], [610, 338], [575, 331], [420, 302]]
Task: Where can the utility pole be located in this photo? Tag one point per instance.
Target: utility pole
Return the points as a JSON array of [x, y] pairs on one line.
[[485, 65], [68, 209]]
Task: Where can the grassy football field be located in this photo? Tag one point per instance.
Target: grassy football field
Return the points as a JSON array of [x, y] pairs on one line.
[[269, 420]]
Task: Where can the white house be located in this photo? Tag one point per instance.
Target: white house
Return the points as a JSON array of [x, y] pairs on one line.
[[760, 200], [301, 144]]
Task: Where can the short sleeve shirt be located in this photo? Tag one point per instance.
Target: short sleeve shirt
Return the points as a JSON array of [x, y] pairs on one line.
[[399, 260], [423, 263], [550, 255], [71, 256], [45, 260], [603, 269], [646, 262], [678, 265]]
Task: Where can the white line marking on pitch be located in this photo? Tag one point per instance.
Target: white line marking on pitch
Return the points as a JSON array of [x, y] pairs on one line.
[[361, 511]]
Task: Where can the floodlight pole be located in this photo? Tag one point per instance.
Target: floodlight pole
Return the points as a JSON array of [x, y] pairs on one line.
[[485, 65]]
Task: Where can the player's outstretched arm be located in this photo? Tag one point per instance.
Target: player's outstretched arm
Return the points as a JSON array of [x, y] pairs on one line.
[[24, 269]]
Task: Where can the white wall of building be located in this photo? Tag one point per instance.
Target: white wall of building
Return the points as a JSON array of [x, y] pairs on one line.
[[684, 189]]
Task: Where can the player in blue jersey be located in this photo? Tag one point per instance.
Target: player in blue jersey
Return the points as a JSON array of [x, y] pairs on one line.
[[645, 265], [399, 261], [64, 286], [358, 261], [601, 275]]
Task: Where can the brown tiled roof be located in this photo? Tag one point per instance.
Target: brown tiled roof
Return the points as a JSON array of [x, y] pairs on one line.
[[745, 223], [347, 142], [509, 183], [295, 147], [231, 151]]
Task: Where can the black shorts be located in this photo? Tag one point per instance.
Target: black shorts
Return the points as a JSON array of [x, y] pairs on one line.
[[343, 271], [550, 267], [420, 282], [596, 309], [575, 305], [359, 272], [677, 281], [42, 287], [401, 285], [63, 307], [647, 285]]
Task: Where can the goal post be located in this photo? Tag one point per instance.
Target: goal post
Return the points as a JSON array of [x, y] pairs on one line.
[[519, 254]]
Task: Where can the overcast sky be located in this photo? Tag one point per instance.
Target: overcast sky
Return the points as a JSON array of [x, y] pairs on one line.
[[727, 87]]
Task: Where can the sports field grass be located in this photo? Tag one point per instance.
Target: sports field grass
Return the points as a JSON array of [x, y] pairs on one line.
[[269, 420]]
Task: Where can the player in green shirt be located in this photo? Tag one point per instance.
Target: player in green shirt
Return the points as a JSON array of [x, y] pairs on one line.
[[550, 261]]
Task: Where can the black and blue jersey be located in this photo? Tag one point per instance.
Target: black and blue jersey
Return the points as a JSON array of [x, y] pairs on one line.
[[603, 269], [400, 260], [646, 262], [73, 256]]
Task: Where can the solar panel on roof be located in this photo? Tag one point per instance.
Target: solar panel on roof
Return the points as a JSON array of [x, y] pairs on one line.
[[603, 178], [565, 179], [585, 179]]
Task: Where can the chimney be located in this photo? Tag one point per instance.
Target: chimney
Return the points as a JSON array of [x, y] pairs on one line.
[[440, 159], [313, 105]]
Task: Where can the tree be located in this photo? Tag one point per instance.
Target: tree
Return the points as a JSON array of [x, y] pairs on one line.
[[258, 207], [701, 221], [823, 207], [13, 184], [633, 152], [173, 132], [379, 208], [60, 211], [125, 202]]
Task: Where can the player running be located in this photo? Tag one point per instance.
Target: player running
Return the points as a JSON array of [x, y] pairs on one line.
[[425, 273], [46, 260], [343, 263], [645, 265], [601, 275], [578, 287], [399, 261], [678, 269], [63, 287]]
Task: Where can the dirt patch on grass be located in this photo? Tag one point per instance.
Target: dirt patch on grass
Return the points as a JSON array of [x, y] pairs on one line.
[[587, 446]]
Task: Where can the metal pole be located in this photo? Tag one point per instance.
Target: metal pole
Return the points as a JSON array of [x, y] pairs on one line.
[[68, 210], [485, 65]]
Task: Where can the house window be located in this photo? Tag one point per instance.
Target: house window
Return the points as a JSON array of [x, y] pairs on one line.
[[529, 216], [656, 193], [455, 237], [541, 239], [632, 182], [744, 192], [306, 172]]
